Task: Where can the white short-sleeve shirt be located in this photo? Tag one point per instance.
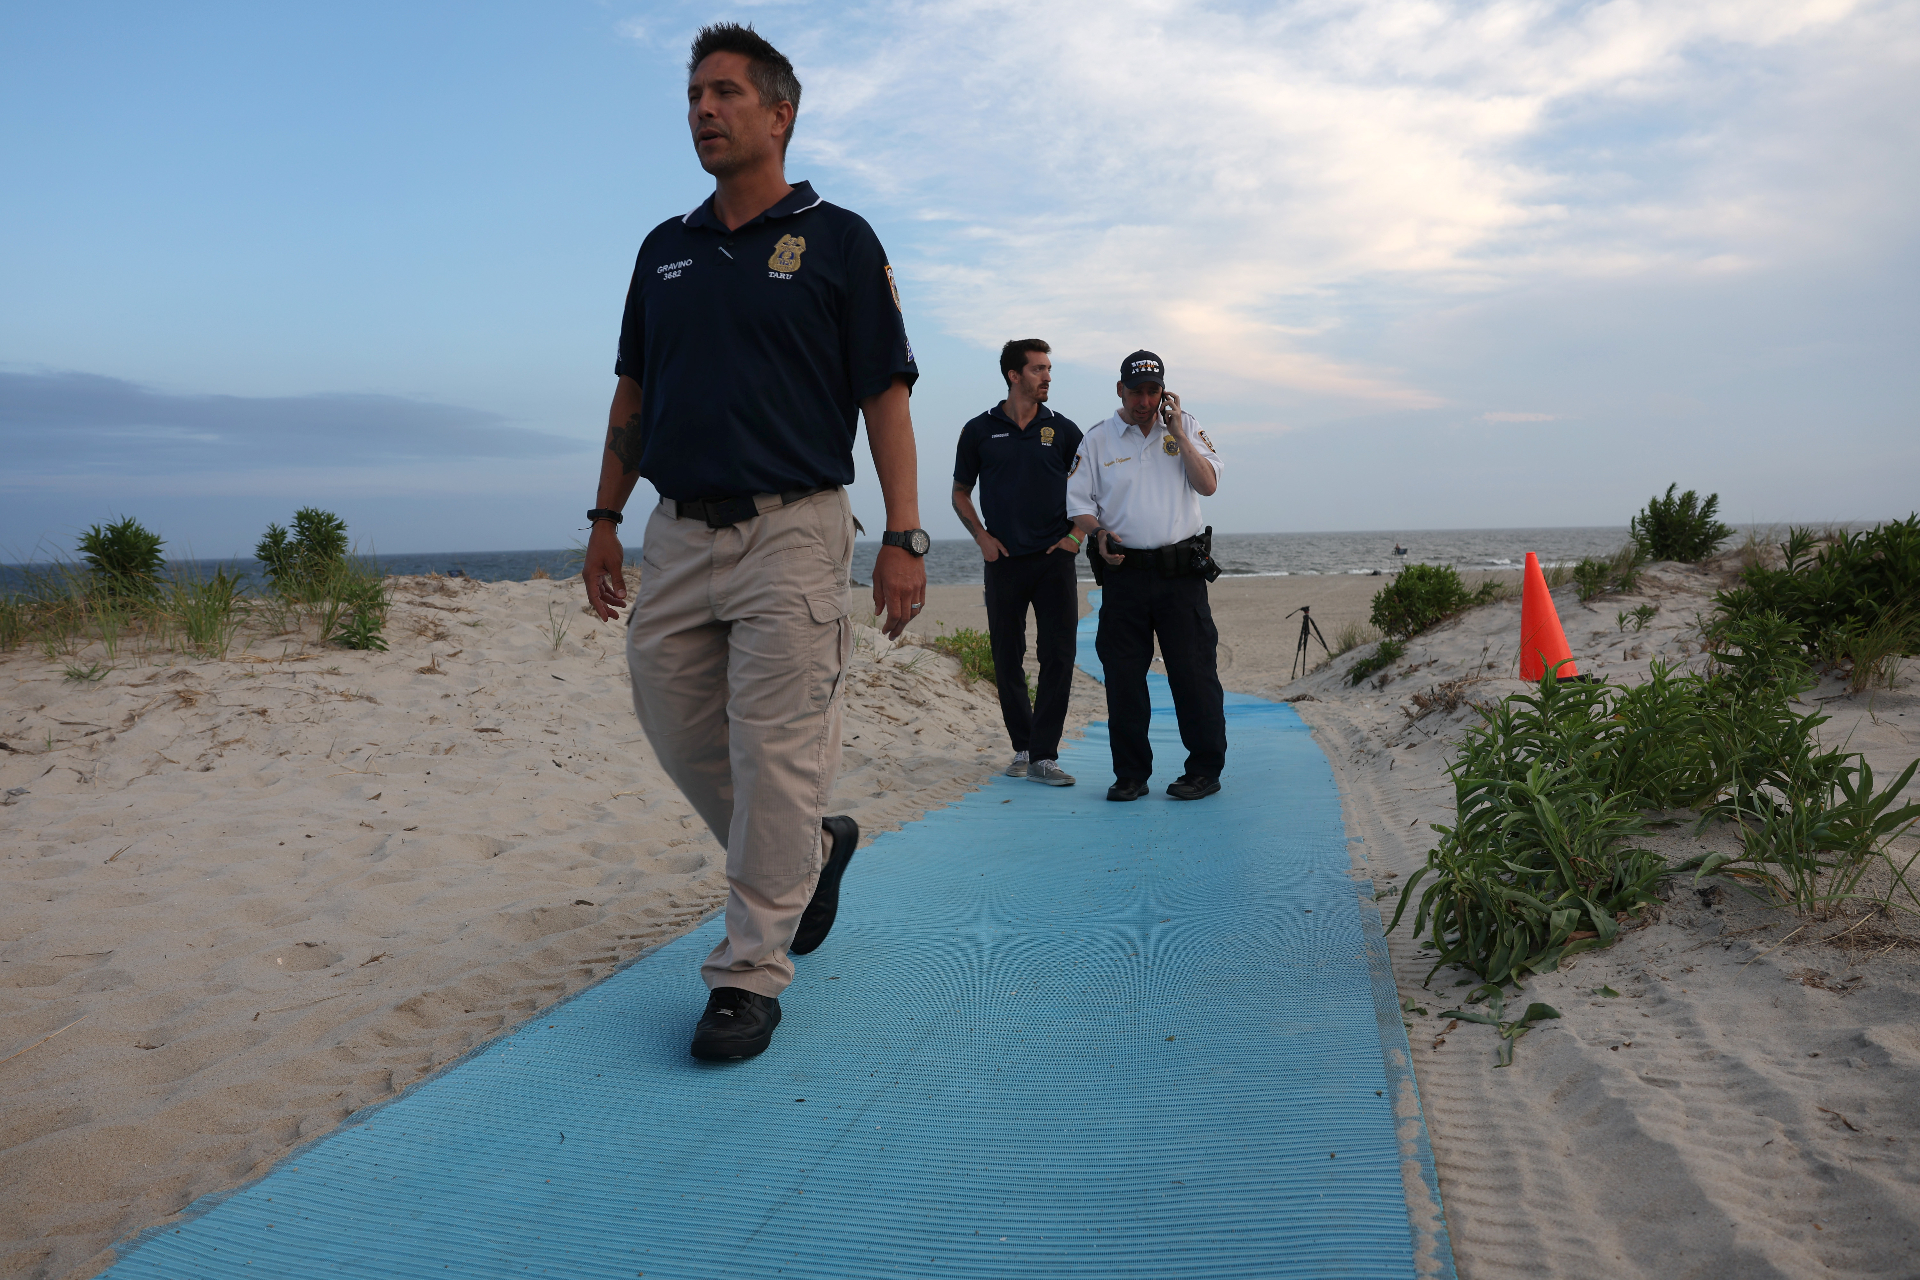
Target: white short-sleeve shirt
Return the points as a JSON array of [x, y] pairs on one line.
[[1135, 483]]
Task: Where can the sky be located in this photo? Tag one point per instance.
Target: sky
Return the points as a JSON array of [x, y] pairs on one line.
[[1414, 264]]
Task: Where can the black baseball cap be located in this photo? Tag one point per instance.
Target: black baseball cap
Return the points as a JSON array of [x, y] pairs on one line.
[[1142, 366]]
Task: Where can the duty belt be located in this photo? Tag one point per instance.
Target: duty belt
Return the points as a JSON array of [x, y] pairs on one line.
[[1189, 557], [1171, 560], [721, 513]]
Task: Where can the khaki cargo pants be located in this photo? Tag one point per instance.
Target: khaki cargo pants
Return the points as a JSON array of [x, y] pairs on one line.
[[737, 646]]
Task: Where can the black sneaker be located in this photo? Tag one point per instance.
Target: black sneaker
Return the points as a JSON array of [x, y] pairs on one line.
[[737, 1024], [1192, 786], [818, 920], [1127, 789]]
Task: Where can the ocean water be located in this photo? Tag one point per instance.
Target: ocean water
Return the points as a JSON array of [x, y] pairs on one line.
[[956, 561]]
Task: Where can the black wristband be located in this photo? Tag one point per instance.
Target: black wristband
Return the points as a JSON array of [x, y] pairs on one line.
[[604, 513]]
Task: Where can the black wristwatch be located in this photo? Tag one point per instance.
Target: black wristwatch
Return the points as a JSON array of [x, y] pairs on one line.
[[604, 513], [915, 541]]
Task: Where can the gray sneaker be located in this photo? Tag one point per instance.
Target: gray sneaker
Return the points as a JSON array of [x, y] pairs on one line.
[[1049, 772], [1018, 769]]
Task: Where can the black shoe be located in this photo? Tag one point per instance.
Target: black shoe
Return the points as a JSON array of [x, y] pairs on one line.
[[818, 920], [1192, 786], [737, 1024], [1127, 789]]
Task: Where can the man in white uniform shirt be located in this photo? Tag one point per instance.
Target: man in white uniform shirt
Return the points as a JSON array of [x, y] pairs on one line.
[[1135, 489]]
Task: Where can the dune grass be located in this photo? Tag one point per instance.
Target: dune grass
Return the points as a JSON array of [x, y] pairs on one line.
[[1854, 596], [1350, 635], [974, 649], [121, 600], [1552, 790]]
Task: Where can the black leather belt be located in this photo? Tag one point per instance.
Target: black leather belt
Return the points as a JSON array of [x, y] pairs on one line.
[[1175, 560], [1165, 559], [721, 513]]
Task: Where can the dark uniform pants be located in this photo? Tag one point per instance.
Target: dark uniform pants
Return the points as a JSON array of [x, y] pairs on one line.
[[1045, 580], [1138, 605]]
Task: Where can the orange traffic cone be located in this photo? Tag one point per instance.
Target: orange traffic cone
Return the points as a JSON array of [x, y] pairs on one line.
[[1542, 642]]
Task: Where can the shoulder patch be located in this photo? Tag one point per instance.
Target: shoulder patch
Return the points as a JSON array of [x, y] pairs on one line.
[[896, 291], [1203, 440], [1074, 465]]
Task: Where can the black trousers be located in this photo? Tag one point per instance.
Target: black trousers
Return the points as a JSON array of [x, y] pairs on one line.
[[1138, 605], [1044, 580]]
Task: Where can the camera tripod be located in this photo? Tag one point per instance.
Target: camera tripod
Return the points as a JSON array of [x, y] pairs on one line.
[[1308, 628]]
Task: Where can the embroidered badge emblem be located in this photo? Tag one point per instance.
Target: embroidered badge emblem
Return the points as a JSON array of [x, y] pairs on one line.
[[1170, 446], [896, 292], [1046, 435], [786, 254], [1203, 438], [1075, 465]]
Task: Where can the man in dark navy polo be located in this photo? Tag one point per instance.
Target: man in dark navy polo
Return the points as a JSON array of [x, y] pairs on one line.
[[1020, 452], [757, 326]]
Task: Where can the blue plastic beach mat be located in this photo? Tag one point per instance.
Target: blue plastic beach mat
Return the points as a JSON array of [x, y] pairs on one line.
[[1050, 1036]]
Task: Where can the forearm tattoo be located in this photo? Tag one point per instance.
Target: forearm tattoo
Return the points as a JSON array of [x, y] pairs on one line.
[[967, 521], [625, 441]]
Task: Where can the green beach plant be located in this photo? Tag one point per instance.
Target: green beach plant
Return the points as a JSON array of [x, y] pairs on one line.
[[123, 558], [974, 649], [1421, 595], [1540, 862], [1878, 649], [1510, 1031], [556, 628], [1854, 595], [207, 611], [16, 620], [110, 615], [1590, 578], [315, 572], [299, 561], [1682, 528], [1619, 572], [355, 603], [1350, 635], [1552, 788], [1384, 655], [1625, 565]]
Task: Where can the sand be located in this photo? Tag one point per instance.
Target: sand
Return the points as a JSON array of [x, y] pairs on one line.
[[273, 891], [1745, 1107], [247, 898]]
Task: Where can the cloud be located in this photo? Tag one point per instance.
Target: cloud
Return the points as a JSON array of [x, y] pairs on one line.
[[1507, 416], [67, 423], [1251, 186]]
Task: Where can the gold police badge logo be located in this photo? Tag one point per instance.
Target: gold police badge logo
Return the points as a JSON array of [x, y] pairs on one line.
[[786, 254], [1170, 446], [1046, 435]]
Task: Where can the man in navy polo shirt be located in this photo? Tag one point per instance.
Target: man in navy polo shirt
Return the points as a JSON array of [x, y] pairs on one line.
[[1020, 452], [757, 326]]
